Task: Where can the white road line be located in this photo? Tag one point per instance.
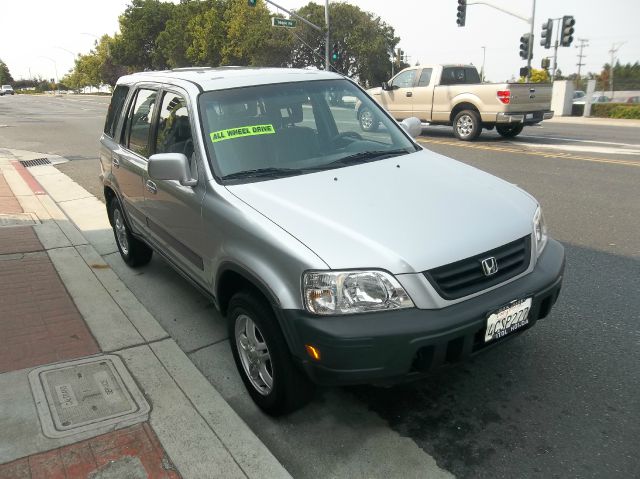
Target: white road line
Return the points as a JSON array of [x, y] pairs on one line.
[[637, 145]]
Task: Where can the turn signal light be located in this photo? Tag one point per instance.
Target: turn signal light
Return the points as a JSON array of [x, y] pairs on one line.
[[313, 352], [504, 96]]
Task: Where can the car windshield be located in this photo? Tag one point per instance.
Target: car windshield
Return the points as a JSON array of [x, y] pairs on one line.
[[271, 131]]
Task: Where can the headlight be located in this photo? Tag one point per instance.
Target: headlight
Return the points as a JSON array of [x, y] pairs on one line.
[[348, 292], [539, 231]]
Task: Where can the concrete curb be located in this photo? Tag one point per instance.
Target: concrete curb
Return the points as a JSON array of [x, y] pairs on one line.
[[200, 432], [580, 120]]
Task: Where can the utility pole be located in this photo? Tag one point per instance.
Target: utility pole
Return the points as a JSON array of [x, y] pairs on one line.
[[583, 43], [613, 51], [484, 54]]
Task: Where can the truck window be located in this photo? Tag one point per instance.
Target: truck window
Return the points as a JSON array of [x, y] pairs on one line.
[[459, 76], [425, 77], [404, 79], [139, 122]]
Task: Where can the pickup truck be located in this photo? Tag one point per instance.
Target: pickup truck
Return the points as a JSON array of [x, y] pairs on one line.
[[454, 95]]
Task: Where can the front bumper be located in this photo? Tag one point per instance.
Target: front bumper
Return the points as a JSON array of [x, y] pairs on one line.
[[389, 346], [528, 118]]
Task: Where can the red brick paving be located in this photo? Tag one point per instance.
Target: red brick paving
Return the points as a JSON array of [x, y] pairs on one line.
[[18, 239], [84, 458], [8, 203], [39, 323]]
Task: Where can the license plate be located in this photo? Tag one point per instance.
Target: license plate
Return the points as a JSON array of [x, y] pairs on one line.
[[507, 319], [528, 116]]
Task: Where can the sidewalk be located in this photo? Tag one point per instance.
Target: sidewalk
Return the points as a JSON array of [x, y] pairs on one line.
[[91, 385]]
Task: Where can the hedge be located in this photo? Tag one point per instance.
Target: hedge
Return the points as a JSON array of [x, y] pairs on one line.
[[616, 110]]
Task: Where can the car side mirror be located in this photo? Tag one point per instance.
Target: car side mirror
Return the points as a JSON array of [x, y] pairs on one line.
[[385, 86], [413, 126], [171, 166]]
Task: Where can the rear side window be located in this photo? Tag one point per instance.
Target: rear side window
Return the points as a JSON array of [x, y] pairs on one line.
[[139, 122], [115, 108], [425, 77], [459, 76]]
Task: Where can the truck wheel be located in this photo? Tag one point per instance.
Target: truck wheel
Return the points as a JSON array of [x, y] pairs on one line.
[[262, 356], [466, 125], [509, 131], [368, 121], [133, 251]]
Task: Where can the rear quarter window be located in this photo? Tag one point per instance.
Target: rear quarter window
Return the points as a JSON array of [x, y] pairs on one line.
[[459, 76], [115, 108]]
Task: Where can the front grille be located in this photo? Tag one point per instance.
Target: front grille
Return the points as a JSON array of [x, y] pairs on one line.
[[465, 277]]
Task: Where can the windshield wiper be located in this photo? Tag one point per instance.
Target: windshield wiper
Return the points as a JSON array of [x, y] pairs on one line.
[[262, 173], [365, 156]]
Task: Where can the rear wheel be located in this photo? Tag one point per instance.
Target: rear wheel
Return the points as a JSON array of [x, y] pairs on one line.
[[509, 131], [368, 121], [133, 251], [466, 125], [262, 356]]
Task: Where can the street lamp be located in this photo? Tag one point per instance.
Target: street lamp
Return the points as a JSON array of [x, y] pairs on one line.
[[55, 66], [484, 52]]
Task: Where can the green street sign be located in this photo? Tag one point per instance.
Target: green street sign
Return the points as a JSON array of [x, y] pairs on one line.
[[283, 22]]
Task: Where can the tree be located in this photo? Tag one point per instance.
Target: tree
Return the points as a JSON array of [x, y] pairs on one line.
[[140, 26], [364, 42], [537, 76], [5, 74]]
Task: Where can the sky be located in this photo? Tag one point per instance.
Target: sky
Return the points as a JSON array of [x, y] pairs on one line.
[[40, 38]]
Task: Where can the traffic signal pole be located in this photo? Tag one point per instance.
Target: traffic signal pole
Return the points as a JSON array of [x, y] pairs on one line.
[[312, 25], [533, 17], [530, 20]]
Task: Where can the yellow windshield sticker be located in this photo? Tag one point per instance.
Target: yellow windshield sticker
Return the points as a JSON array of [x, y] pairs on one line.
[[241, 131]]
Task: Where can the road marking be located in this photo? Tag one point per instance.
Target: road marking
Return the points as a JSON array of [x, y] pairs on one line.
[[562, 156], [605, 150], [578, 141]]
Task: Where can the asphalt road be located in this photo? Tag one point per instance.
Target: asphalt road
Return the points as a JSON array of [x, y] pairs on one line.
[[562, 400]]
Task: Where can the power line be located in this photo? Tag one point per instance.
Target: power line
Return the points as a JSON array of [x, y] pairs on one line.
[[613, 51]]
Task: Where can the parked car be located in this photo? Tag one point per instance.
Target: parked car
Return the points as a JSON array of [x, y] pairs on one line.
[[454, 95], [6, 90], [578, 94], [595, 98], [633, 99], [337, 256]]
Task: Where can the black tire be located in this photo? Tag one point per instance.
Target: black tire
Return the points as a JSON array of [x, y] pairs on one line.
[[509, 131], [466, 125], [290, 388], [367, 119], [133, 251]]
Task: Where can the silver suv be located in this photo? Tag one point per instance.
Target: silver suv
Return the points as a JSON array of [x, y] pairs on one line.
[[338, 256]]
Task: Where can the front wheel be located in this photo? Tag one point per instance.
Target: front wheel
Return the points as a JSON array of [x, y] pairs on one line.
[[368, 121], [509, 131], [133, 251], [466, 125], [262, 356]]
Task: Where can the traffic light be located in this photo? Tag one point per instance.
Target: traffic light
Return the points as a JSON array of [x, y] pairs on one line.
[[462, 12], [335, 53], [252, 3], [525, 43], [566, 34], [524, 72], [545, 63], [547, 31]]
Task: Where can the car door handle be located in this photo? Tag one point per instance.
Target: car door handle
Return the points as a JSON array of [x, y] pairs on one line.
[[115, 161], [151, 187], [409, 93]]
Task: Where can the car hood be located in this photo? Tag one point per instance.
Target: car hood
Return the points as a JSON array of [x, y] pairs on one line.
[[404, 214]]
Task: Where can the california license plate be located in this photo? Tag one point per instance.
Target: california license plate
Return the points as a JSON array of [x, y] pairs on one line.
[[507, 319]]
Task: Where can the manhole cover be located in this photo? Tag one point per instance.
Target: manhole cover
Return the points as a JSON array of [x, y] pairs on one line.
[[18, 219], [85, 395]]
